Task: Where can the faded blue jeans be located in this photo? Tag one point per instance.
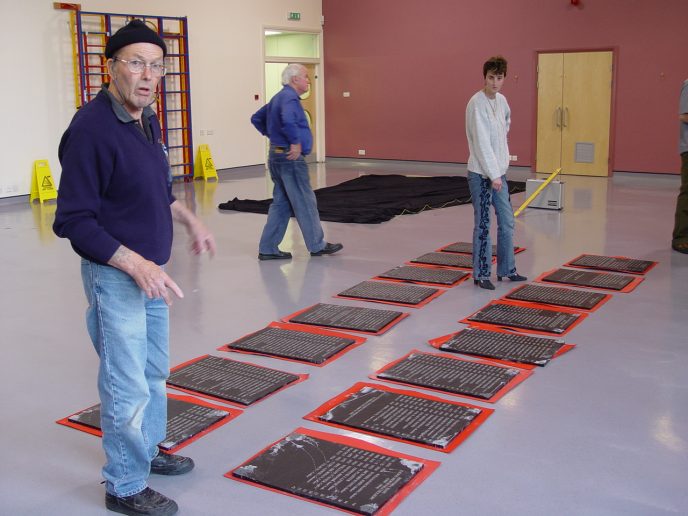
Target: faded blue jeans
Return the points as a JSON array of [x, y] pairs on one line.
[[482, 196], [130, 334], [292, 195]]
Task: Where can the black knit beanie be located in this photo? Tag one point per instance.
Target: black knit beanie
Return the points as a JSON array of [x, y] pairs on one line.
[[136, 31]]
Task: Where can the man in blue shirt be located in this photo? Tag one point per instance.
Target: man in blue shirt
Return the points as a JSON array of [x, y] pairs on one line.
[[283, 120], [116, 207]]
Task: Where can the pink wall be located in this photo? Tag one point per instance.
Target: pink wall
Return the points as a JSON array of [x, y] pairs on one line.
[[412, 65]]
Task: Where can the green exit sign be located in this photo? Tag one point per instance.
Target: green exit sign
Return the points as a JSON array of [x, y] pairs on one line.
[[294, 16]]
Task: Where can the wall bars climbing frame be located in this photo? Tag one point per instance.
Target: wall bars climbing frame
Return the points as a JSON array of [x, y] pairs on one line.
[[89, 33]]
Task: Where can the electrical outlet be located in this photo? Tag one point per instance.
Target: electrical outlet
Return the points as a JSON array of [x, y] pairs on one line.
[[361, 152], [513, 158]]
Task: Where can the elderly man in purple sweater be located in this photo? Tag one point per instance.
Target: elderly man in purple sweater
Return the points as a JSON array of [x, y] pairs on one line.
[[116, 207]]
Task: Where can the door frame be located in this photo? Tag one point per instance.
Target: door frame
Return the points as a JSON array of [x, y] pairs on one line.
[[318, 79], [612, 108]]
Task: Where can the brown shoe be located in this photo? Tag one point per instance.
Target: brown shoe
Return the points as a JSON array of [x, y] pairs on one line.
[[681, 248]]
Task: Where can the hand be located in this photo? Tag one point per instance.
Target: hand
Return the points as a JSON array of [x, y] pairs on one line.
[[154, 281], [497, 184], [148, 275], [202, 239], [294, 151]]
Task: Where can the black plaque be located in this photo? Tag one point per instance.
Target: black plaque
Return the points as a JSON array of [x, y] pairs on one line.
[[539, 319], [558, 296], [464, 248], [425, 275], [89, 417], [335, 474], [503, 346], [448, 259], [184, 420], [467, 248], [230, 380], [412, 418], [388, 291], [591, 279], [347, 317], [294, 344], [450, 375], [610, 263]]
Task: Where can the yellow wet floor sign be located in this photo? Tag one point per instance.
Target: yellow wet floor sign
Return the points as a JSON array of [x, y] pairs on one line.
[[204, 168], [42, 184]]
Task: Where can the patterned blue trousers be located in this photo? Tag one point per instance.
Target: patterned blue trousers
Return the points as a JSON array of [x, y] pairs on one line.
[[482, 196]]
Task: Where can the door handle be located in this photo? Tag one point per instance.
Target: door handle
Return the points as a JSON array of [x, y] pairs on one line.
[[557, 116], [565, 121]]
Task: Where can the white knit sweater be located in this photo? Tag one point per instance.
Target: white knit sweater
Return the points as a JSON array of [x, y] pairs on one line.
[[487, 124]]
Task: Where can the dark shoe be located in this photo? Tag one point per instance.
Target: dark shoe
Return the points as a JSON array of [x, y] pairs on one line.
[[681, 248], [484, 283], [169, 464], [281, 255], [514, 277], [145, 502], [328, 249]]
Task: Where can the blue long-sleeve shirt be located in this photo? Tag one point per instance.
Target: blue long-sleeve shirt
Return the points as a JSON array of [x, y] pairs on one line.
[[115, 187], [284, 121]]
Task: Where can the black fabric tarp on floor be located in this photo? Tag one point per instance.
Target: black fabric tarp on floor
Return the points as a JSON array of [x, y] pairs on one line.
[[371, 199]]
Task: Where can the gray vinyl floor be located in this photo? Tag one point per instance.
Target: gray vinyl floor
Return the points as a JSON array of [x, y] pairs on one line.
[[601, 430]]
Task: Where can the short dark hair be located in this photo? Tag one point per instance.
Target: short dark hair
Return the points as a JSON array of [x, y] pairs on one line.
[[496, 65]]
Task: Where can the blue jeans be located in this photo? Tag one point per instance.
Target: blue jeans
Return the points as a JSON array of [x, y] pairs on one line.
[[482, 196], [130, 334], [292, 195]]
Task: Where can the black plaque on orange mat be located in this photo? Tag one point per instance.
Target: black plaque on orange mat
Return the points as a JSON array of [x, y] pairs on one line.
[[347, 317], [230, 380], [294, 344], [589, 279], [610, 263], [559, 296], [425, 274], [411, 418], [388, 291], [466, 248], [184, 420], [538, 319], [514, 347], [450, 375], [448, 259], [331, 473], [88, 417]]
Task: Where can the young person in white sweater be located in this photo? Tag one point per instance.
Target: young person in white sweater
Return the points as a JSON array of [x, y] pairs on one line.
[[487, 123]]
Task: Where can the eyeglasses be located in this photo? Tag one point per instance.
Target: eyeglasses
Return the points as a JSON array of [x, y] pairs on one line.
[[135, 66]]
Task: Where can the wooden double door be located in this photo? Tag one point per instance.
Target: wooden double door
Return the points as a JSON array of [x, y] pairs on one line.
[[574, 112]]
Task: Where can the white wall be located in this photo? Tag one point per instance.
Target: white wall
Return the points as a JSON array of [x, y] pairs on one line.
[[226, 63]]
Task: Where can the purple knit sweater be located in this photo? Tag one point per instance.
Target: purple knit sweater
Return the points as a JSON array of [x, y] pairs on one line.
[[115, 187]]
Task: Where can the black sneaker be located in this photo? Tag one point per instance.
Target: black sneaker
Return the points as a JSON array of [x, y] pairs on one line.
[[328, 249], [281, 255], [169, 464], [514, 277], [144, 502]]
